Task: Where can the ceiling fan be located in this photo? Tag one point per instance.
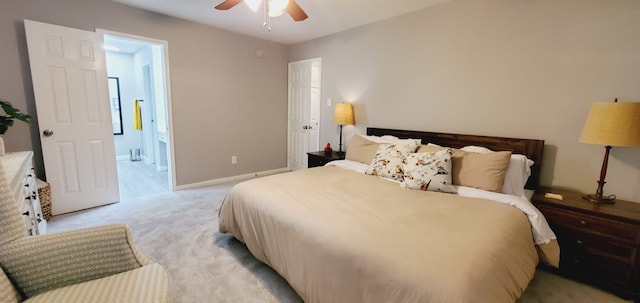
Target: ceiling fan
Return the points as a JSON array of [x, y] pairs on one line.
[[290, 6]]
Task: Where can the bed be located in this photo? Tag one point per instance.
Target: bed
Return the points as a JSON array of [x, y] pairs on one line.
[[337, 234]]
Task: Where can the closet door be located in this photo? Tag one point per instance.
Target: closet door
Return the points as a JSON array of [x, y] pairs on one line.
[[304, 111]]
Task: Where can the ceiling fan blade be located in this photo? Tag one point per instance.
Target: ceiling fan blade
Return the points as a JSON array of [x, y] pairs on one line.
[[227, 4], [295, 11]]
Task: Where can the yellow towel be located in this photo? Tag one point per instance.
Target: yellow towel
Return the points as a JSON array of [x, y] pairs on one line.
[[137, 116]]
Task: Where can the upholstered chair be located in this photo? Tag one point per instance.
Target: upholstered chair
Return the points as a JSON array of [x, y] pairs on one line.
[[98, 264]]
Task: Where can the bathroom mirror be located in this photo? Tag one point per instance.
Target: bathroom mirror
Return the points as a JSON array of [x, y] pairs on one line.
[[114, 97]]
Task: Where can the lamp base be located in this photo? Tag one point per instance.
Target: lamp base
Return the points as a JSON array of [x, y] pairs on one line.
[[600, 199]]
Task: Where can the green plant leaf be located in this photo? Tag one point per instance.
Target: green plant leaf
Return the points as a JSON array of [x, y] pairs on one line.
[[12, 113]]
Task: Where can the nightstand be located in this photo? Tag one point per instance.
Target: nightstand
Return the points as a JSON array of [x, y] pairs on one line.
[[599, 243], [320, 158]]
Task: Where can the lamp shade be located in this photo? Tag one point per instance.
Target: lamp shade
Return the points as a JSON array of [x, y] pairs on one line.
[[343, 114], [613, 124]]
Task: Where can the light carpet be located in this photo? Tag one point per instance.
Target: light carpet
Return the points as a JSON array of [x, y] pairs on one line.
[[180, 231]]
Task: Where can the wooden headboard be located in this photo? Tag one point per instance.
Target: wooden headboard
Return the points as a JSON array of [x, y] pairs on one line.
[[530, 147]]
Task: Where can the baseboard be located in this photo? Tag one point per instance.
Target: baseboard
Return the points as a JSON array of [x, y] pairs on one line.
[[122, 157], [128, 157], [231, 179]]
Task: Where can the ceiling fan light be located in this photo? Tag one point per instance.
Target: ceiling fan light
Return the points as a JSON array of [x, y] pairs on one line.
[[253, 4], [278, 5], [275, 13]]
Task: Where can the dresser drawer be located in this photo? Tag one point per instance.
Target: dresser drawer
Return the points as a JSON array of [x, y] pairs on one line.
[[591, 224]]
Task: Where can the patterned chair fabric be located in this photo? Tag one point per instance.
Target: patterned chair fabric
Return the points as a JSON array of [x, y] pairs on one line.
[[12, 229], [10, 217], [8, 293], [40, 263], [148, 284], [99, 264]]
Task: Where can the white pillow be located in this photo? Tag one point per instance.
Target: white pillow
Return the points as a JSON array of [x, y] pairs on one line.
[[391, 139], [518, 171], [476, 149], [427, 171]]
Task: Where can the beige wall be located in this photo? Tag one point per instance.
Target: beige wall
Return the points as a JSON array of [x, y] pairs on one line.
[[516, 68], [225, 101]]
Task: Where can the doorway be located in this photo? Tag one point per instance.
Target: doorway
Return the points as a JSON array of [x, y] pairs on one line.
[[143, 146]]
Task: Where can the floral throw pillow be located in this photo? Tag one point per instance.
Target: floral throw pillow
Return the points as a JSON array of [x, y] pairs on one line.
[[427, 171], [388, 160]]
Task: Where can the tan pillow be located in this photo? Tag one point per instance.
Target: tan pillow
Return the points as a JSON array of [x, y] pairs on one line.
[[432, 149], [361, 150], [483, 171]]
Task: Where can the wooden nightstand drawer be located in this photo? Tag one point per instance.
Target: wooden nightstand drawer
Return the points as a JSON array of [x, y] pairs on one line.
[[321, 158], [577, 243], [599, 243], [591, 224], [602, 269], [316, 161]]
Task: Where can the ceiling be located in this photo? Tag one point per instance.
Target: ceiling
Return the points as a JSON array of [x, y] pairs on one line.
[[325, 16]]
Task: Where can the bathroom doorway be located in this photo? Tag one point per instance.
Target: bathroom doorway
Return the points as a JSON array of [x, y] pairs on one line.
[[143, 145]]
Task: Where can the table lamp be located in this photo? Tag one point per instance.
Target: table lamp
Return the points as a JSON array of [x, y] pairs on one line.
[[611, 124], [343, 115]]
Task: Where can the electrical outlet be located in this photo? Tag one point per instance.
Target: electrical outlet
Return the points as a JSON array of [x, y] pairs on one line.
[[234, 160], [328, 102]]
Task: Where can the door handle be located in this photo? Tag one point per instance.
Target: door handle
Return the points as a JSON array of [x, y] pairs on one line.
[[47, 132]]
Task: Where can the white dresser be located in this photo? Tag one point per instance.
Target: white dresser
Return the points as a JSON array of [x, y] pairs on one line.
[[18, 170]]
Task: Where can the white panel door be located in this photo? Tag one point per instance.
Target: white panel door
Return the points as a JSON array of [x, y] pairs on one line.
[[299, 116], [69, 74], [314, 120]]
